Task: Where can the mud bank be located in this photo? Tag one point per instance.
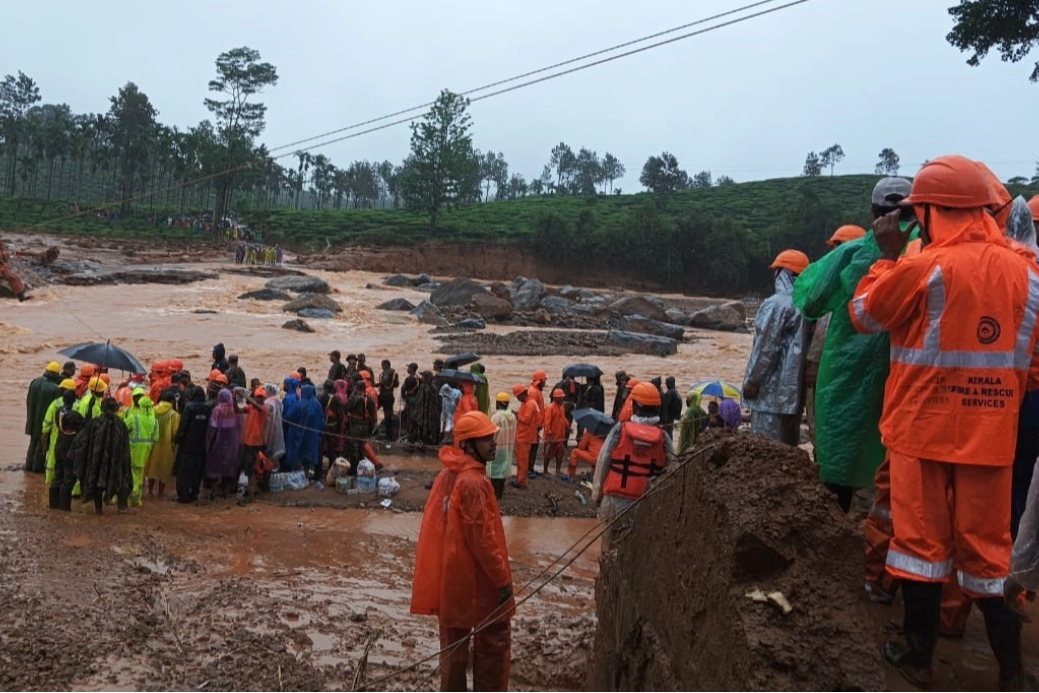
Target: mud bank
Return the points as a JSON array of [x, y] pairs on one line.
[[483, 261], [671, 594]]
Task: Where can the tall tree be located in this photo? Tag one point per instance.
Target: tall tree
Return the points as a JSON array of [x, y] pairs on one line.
[[442, 168], [1011, 26], [132, 119], [724, 180], [612, 170], [564, 162], [831, 156], [888, 164], [588, 173], [240, 76], [17, 96], [662, 175], [813, 165], [701, 180]]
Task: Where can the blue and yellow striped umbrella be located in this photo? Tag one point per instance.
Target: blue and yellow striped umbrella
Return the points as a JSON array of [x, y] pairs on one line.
[[719, 389]]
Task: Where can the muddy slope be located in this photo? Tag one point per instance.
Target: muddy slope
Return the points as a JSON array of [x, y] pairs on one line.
[[672, 605]]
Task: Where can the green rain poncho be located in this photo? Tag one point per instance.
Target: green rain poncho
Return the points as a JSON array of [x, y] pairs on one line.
[[691, 423], [849, 394], [144, 432]]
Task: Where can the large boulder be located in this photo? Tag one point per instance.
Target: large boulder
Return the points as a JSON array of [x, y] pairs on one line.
[[312, 301], [429, 314], [557, 304], [643, 325], [398, 280], [265, 295], [500, 290], [397, 304], [298, 326], [423, 279], [527, 295], [457, 292], [676, 317], [300, 284], [492, 307], [637, 343], [738, 307], [638, 305], [720, 317], [316, 313]]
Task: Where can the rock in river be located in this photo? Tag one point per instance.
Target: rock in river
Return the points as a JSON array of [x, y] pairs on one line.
[[492, 307], [429, 314], [457, 292], [638, 323], [301, 284], [397, 304], [298, 325], [265, 295], [723, 317], [316, 313], [638, 305], [637, 343], [527, 295], [312, 301]]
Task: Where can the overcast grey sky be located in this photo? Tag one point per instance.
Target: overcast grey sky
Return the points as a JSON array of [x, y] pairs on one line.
[[748, 101]]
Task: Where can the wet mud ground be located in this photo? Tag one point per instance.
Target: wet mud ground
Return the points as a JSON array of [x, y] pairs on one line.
[[257, 598]]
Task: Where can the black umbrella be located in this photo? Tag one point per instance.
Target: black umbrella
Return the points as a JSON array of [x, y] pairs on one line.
[[104, 354], [459, 360], [582, 370], [594, 420], [452, 374]]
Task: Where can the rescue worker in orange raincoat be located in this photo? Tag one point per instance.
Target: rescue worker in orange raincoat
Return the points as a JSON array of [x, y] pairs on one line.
[[467, 403], [586, 452], [527, 420], [12, 280], [629, 404], [557, 430], [635, 452], [774, 382], [462, 573], [538, 381], [962, 315]]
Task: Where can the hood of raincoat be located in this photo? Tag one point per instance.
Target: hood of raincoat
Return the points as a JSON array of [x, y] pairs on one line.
[[693, 399], [342, 391], [309, 392], [1019, 225], [455, 460], [955, 226], [776, 363], [785, 282], [146, 403], [291, 385], [271, 390], [218, 351], [163, 407]]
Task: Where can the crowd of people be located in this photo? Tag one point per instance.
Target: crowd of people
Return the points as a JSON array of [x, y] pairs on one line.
[[911, 348], [250, 253], [207, 435]]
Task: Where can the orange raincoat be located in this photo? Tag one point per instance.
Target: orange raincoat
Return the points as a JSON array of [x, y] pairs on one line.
[[556, 424], [466, 403], [461, 561], [527, 419]]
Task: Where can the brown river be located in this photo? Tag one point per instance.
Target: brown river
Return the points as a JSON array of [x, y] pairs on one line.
[[316, 572]]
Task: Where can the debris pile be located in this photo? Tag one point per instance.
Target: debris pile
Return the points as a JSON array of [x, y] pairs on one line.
[[741, 575]]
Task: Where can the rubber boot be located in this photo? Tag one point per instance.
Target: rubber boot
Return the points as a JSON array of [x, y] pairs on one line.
[[98, 504], [66, 500], [923, 603], [54, 497], [1003, 628]]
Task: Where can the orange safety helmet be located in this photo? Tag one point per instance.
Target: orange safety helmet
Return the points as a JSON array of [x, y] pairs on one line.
[[793, 260], [558, 393], [215, 374], [176, 365], [999, 203], [518, 390], [646, 395], [848, 232], [539, 376], [220, 378], [951, 181], [259, 392], [1033, 205], [106, 378], [473, 424], [86, 371]]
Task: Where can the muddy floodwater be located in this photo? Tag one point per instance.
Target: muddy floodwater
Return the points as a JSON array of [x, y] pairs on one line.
[[266, 596]]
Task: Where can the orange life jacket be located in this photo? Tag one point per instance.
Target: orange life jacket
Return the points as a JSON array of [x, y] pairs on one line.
[[638, 455]]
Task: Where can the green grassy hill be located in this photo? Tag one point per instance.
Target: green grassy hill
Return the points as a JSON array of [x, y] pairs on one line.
[[714, 239]]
